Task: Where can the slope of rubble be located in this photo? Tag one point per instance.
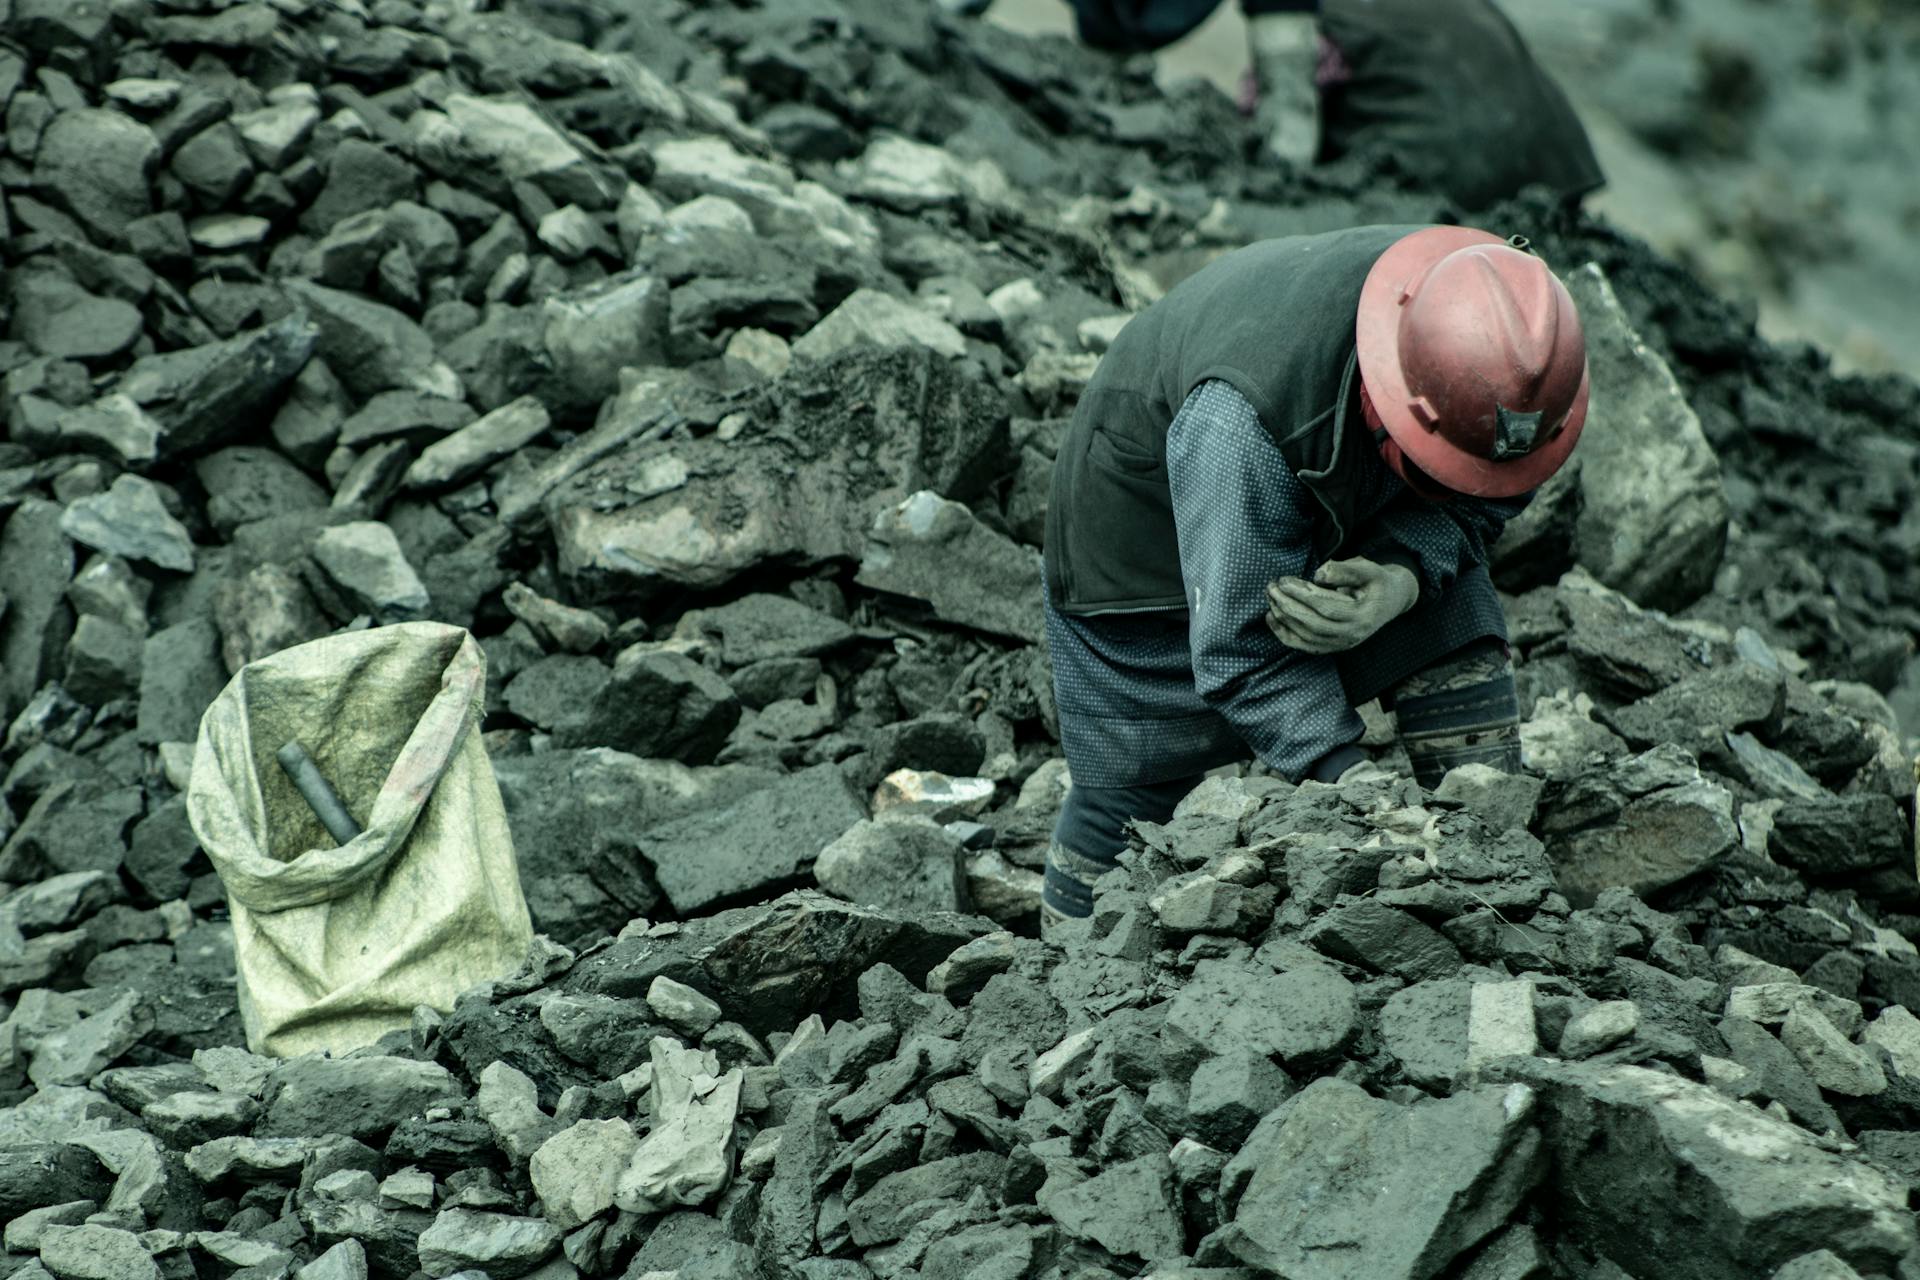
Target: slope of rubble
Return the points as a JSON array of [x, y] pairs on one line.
[[707, 363]]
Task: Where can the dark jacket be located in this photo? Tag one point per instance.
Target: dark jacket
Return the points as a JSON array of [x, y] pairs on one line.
[[1276, 321], [1450, 89]]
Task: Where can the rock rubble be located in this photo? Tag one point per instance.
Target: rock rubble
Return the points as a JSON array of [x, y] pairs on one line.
[[708, 364]]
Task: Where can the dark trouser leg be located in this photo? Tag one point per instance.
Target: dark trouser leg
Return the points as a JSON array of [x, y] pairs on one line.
[[1090, 836], [1461, 710]]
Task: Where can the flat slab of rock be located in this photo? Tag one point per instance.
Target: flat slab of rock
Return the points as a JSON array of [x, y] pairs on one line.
[[1761, 1191], [1327, 1164], [130, 520], [934, 550], [760, 841]]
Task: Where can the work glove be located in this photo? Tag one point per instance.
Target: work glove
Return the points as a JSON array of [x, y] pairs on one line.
[[1347, 601]]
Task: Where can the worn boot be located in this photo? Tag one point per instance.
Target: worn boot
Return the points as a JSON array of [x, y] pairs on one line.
[[1461, 710], [1286, 53], [1068, 893]]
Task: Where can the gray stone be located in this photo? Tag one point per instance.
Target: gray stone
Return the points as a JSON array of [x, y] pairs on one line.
[[1641, 824], [558, 625], [509, 1103], [934, 550], [457, 458], [130, 520], [757, 842], [493, 1243], [359, 1097], [952, 802], [108, 588], [686, 1157], [559, 693], [870, 318], [1599, 1028], [263, 611], [57, 318], [213, 164], [1822, 1264], [244, 483], [659, 704], [571, 233], [901, 863], [1368, 932], [57, 902], [112, 427], [1697, 713], [1324, 1166], [1504, 801], [97, 164], [1835, 1063], [364, 562], [103, 661], [36, 562], [592, 335], [681, 1007], [1897, 1031], [80, 1052], [346, 1260], [1424, 1027], [1653, 515], [1232, 1093], [888, 1209], [1767, 1072], [372, 347], [1771, 1003], [1200, 903], [761, 628], [1500, 1022], [1303, 1016], [1840, 835], [1129, 1209], [1773, 774], [71, 827], [507, 136], [180, 675], [574, 1171], [23, 1232], [275, 134], [95, 1253], [200, 395], [35, 1173], [361, 176], [884, 424], [1761, 1192], [188, 1118]]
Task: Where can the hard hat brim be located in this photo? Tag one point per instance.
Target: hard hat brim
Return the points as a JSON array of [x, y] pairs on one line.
[[1377, 338]]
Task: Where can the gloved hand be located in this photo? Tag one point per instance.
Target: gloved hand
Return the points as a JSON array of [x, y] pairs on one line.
[[1347, 601]]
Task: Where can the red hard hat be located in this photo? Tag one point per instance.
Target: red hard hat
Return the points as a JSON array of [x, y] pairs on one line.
[[1471, 352]]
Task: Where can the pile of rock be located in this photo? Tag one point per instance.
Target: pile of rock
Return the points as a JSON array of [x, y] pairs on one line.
[[708, 364]]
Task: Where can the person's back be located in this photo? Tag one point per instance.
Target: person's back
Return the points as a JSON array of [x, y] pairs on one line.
[[1449, 88]]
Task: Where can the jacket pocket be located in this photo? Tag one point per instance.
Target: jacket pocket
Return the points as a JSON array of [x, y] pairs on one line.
[[1125, 457]]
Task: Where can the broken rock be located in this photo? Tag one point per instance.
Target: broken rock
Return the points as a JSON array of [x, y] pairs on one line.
[[901, 863], [934, 550], [131, 520], [1453, 1169], [1641, 824], [1762, 1192]]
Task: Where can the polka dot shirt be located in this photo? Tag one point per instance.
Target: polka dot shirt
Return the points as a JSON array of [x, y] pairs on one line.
[[1146, 697]]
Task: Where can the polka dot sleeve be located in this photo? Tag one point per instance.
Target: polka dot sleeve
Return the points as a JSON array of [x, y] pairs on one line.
[[1243, 519]]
